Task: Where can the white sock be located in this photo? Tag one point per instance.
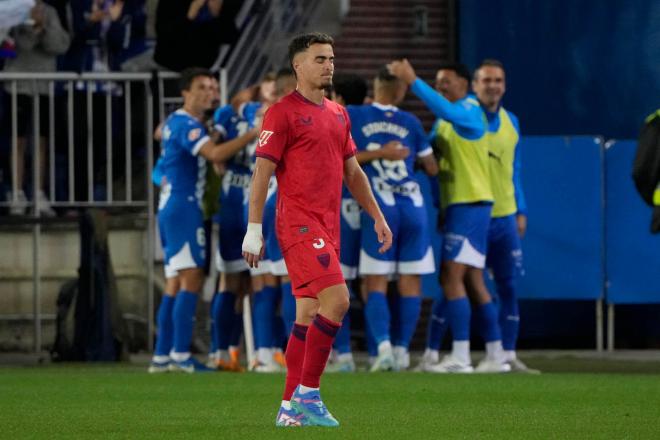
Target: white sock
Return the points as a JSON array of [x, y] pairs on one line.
[[432, 356], [399, 350], [264, 356], [160, 359], [304, 390], [286, 404], [371, 360], [385, 347], [494, 351], [345, 357], [460, 350], [179, 357], [510, 355]]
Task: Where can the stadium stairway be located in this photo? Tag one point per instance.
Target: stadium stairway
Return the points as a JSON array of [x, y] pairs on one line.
[[59, 261], [375, 32]]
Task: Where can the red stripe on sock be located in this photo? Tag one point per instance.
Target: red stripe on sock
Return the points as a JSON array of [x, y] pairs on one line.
[[317, 350], [295, 356]]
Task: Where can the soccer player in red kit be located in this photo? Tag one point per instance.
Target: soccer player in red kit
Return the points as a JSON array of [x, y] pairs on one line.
[[306, 140]]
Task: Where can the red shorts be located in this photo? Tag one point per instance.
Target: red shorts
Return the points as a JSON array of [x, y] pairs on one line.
[[313, 265]]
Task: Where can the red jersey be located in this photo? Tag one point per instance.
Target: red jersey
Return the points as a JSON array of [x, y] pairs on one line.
[[309, 143]]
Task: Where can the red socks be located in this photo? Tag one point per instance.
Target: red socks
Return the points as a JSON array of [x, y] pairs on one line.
[[320, 336], [295, 355], [307, 353]]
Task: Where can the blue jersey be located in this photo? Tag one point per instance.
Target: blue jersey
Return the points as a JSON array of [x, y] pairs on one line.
[[374, 126], [231, 124], [184, 173]]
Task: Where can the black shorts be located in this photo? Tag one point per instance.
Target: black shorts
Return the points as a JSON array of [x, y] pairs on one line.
[[24, 115]]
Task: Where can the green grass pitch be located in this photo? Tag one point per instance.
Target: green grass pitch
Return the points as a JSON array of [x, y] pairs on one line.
[[123, 401]]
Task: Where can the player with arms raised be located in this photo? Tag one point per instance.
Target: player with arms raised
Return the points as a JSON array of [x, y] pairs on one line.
[[306, 141]]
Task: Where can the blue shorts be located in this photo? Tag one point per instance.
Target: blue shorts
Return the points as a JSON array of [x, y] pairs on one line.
[[182, 234], [349, 250], [465, 237], [233, 221], [411, 252], [504, 250]]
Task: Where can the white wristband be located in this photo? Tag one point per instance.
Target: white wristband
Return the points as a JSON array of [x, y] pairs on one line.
[[253, 240], [255, 228]]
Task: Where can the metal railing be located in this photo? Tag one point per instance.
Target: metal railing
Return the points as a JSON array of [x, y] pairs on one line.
[[65, 88], [262, 45]]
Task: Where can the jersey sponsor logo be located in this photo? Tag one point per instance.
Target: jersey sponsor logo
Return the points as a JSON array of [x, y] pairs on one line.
[[494, 156], [324, 259], [303, 230], [194, 134], [264, 137], [319, 243]]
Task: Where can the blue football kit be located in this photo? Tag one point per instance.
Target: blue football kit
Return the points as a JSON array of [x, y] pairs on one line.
[[396, 190], [183, 177]]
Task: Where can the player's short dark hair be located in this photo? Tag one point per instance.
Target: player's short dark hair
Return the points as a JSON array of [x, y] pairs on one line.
[[302, 42], [188, 76], [353, 88], [489, 62], [270, 76], [459, 68]]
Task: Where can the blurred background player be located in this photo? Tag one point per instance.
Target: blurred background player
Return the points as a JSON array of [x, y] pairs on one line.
[[269, 281], [234, 122], [347, 89], [185, 146], [306, 139], [389, 141], [508, 218], [277, 279], [466, 201]]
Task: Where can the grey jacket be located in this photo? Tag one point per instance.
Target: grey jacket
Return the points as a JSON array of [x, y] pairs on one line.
[[37, 52]]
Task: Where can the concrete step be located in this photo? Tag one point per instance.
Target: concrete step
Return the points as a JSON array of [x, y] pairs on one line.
[[371, 7], [394, 32], [403, 23], [383, 52]]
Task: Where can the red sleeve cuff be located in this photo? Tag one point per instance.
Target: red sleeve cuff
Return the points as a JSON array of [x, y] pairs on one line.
[[267, 156], [349, 155]]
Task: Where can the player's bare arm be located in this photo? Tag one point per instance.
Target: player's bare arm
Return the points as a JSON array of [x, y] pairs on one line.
[[392, 150], [429, 164], [221, 152], [358, 185], [521, 222], [253, 248]]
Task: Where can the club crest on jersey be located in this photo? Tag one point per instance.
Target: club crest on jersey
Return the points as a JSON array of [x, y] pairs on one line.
[[264, 136], [307, 121], [194, 134], [324, 259], [319, 243]]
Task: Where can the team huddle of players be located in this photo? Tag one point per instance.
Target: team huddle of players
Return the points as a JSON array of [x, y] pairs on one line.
[[471, 151]]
